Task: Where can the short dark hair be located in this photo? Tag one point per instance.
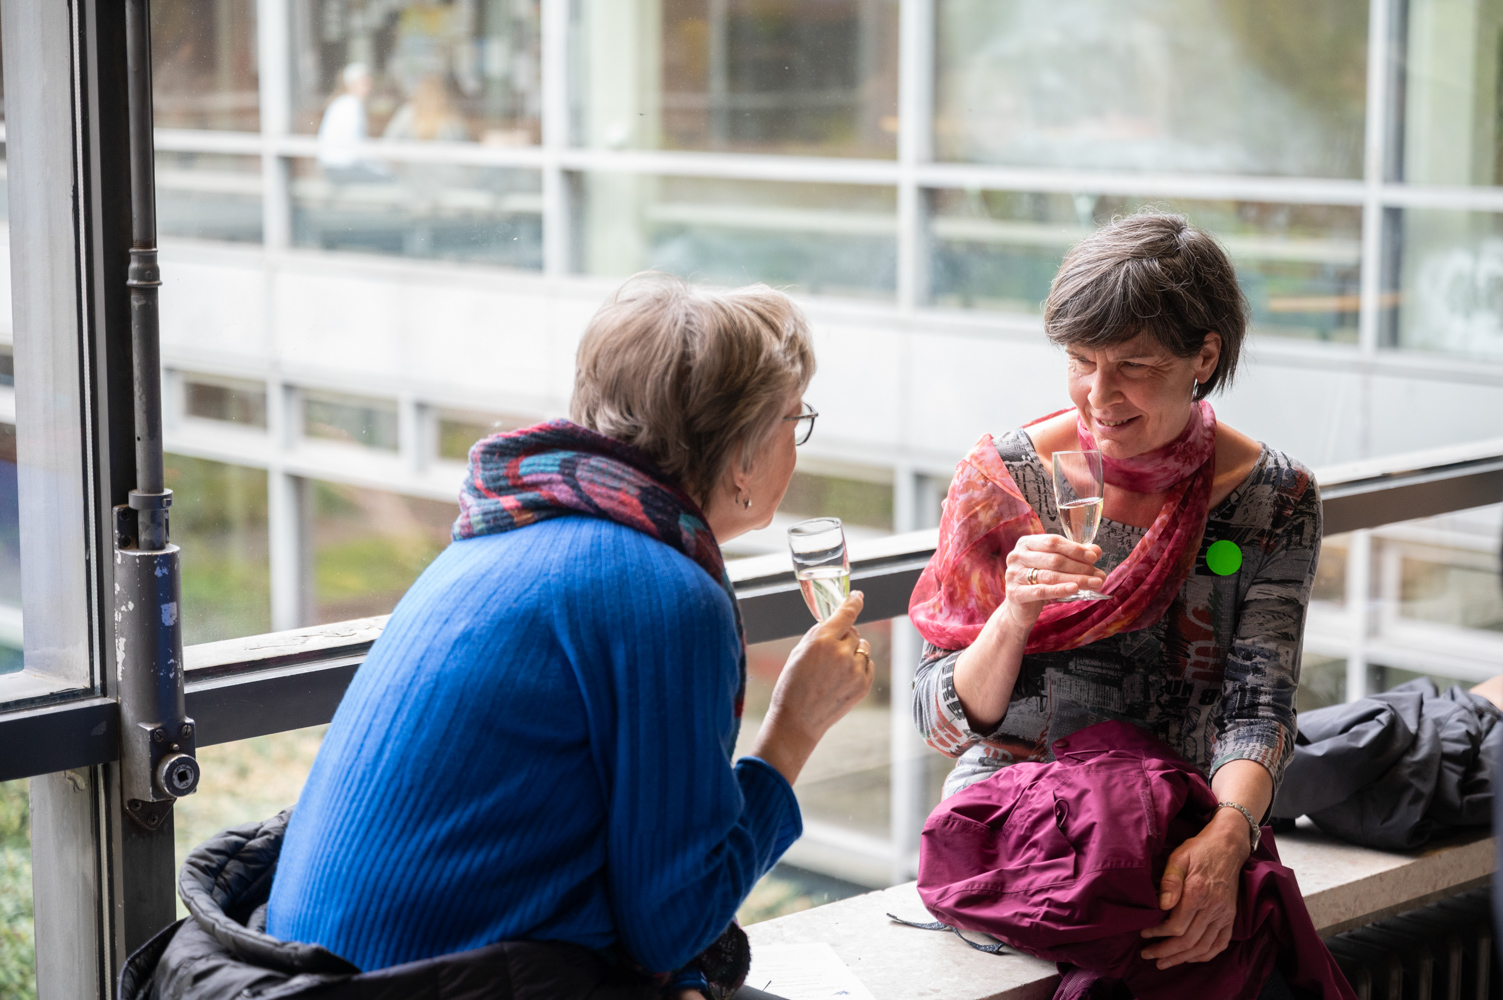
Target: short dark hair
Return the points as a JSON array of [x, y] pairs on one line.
[[1150, 272]]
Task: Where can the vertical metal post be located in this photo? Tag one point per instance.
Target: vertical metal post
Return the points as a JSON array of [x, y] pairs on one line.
[[1359, 611], [915, 146], [273, 43], [718, 71], [156, 736], [907, 805], [557, 226]]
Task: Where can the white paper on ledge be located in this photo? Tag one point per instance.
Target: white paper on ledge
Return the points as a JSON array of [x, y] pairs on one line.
[[804, 972]]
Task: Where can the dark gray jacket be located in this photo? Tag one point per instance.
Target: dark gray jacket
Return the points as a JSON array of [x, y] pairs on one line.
[[222, 951], [1395, 769]]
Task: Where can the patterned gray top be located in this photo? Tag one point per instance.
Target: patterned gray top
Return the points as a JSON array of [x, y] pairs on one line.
[[1214, 678]]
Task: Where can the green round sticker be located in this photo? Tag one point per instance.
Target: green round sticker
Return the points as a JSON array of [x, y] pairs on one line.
[[1224, 558]]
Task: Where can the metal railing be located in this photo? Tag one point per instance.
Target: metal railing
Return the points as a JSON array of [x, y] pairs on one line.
[[253, 686]]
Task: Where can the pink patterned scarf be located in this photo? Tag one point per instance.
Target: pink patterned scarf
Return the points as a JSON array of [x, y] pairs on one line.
[[985, 515]]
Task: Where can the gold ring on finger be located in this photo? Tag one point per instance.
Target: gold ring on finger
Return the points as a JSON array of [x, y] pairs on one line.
[[1033, 576]]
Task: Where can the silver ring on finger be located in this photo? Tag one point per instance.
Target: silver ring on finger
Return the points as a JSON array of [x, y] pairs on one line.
[[1033, 576]]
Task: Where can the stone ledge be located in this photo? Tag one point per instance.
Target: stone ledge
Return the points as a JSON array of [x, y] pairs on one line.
[[1344, 886]]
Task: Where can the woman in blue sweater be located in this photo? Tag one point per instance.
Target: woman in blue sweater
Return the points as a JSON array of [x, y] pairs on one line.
[[538, 748]]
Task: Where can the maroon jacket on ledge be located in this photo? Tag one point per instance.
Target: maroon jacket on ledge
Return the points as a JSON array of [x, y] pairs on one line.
[[1063, 860]]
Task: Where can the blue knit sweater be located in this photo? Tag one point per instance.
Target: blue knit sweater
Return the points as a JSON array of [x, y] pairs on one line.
[[536, 748]]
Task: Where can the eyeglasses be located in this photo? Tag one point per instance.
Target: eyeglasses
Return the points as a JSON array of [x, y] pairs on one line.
[[804, 424]]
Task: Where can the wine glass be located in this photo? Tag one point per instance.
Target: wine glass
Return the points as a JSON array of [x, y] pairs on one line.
[[820, 564], [1078, 495]]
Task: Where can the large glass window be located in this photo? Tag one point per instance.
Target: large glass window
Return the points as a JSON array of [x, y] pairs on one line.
[[450, 70], [830, 239], [204, 64], [10, 552], [1182, 86], [768, 76], [209, 196], [219, 521], [1451, 282], [1299, 265], [368, 546], [1452, 124], [450, 211], [17, 954]]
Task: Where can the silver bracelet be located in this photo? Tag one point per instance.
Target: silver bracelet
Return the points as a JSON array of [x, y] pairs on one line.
[[1252, 824]]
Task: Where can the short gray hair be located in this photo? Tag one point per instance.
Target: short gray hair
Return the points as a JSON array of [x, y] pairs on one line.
[[685, 375]]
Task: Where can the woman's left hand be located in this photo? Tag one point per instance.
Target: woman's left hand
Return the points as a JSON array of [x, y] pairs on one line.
[[1200, 886]]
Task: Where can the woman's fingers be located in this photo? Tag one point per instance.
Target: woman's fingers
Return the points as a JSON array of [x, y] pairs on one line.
[[843, 621], [1060, 545]]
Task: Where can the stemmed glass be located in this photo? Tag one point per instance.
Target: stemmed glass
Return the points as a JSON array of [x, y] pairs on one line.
[[820, 564], [1078, 495]]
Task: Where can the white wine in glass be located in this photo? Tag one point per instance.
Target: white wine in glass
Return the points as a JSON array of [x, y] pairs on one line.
[[1078, 489], [820, 564]]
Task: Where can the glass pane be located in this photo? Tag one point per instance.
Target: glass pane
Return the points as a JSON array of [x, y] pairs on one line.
[[352, 419], [219, 520], [864, 502], [236, 401], [1451, 283], [1223, 86], [1298, 264], [368, 546], [1435, 598], [830, 239], [487, 215], [209, 196], [458, 429], [846, 785], [203, 64], [1443, 571], [17, 954], [769, 76], [10, 554], [449, 70], [242, 782], [1453, 78], [1322, 682]]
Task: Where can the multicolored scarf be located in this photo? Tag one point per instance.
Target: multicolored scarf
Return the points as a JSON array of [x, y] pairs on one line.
[[560, 468], [985, 515]]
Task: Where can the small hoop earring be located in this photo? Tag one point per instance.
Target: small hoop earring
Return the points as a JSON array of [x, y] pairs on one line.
[[746, 504], [1194, 387]]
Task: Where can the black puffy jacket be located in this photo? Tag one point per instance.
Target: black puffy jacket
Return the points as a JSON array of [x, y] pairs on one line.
[[221, 951]]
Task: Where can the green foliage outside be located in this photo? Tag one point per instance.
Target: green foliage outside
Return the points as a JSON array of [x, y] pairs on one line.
[[17, 956], [369, 545], [219, 520], [854, 501]]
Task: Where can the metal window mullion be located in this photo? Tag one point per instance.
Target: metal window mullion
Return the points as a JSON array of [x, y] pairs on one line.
[[273, 46], [1375, 173], [286, 513], [915, 126], [555, 71]]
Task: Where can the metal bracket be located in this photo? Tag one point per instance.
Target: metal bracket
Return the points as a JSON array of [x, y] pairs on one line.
[[157, 739]]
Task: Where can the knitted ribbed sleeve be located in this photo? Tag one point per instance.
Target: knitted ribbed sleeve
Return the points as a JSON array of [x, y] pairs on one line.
[[536, 748]]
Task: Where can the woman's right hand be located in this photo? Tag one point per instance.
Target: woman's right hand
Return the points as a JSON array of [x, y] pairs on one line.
[[1064, 568], [827, 673], [987, 670]]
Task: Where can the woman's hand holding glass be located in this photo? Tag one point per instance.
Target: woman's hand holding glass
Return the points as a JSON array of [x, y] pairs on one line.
[[828, 672], [1044, 568]]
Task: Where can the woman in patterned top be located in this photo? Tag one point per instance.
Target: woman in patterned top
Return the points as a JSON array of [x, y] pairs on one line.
[[1203, 655]]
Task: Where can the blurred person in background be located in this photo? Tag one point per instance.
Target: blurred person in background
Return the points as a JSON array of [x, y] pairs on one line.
[[343, 130], [428, 115], [1200, 647]]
